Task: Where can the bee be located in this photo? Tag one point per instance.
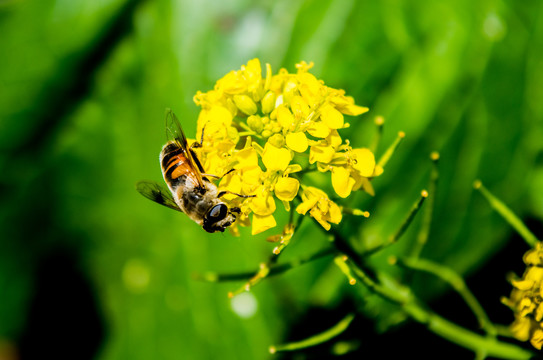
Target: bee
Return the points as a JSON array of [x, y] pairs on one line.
[[189, 189]]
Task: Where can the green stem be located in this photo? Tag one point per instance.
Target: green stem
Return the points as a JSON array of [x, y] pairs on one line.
[[440, 326], [379, 122], [390, 151], [316, 339], [457, 283], [403, 227], [507, 214], [422, 237], [275, 269]]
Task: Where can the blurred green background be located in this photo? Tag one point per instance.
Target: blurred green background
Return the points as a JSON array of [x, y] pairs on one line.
[[90, 269]]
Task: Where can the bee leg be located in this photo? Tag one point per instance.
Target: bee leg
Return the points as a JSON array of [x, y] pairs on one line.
[[219, 177], [224, 192], [198, 144], [236, 210]]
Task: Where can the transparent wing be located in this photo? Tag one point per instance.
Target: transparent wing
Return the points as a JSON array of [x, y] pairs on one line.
[[175, 134], [153, 191]]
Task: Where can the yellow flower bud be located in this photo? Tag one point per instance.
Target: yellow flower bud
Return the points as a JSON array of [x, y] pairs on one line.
[[255, 123], [267, 133], [268, 102], [245, 104]]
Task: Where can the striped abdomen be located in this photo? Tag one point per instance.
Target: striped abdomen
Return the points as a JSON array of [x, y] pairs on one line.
[[175, 165]]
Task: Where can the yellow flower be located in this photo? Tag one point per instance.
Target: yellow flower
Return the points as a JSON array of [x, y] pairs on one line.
[[286, 188], [275, 159], [262, 223], [320, 207], [260, 130], [526, 300]]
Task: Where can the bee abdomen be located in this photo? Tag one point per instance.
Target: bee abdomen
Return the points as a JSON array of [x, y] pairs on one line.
[[175, 165]]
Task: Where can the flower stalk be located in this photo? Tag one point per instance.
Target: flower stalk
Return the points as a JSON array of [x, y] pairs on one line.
[[507, 214]]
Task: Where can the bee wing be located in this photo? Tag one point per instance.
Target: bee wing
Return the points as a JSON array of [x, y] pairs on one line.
[[153, 191], [175, 133]]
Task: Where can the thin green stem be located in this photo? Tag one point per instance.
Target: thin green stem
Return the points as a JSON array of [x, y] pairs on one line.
[[422, 237], [403, 227], [457, 283], [507, 214], [274, 269], [379, 122], [440, 326], [390, 151], [316, 339]]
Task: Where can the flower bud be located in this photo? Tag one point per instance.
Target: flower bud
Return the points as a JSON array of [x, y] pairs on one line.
[[268, 102], [245, 104], [255, 123], [266, 133]]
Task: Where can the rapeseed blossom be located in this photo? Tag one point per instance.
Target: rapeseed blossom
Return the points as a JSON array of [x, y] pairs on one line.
[[526, 299], [273, 129]]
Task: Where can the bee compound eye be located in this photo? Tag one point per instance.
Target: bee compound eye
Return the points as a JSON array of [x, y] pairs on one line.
[[218, 212]]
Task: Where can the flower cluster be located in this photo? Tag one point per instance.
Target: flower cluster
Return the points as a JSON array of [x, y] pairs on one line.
[[274, 129], [527, 299]]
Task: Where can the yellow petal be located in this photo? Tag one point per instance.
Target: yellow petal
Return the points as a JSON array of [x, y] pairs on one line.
[[378, 170], [231, 182], [538, 316], [232, 83], [299, 107], [297, 141], [286, 188], [285, 117], [246, 158], [323, 154], [521, 328], [535, 274], [331, 117], [310, 89], [306, 205], [263, 204], [364, 161], [362, 182], [275, 159], [318, 215], [289, 91], [262, 223], [318, 129], [251, 180], [342, 181], [537, 339], [333, 139], [252, 72], [334, 213]]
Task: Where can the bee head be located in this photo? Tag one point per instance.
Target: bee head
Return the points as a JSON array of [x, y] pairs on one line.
[[218, 218]]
